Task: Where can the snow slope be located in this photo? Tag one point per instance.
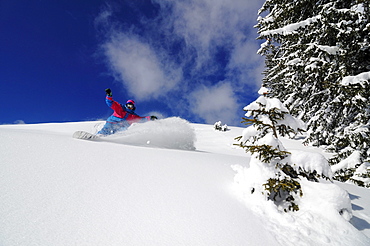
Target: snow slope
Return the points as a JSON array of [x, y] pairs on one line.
[[152, 189]]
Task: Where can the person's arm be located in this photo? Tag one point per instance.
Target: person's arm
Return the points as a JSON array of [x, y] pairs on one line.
[[109, 99], [136, 118], [118, 111]]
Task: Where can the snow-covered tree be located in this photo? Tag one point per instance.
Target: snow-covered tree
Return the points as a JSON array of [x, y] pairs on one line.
[[316, 55], [219, 127], [280, 170], [351, 142]]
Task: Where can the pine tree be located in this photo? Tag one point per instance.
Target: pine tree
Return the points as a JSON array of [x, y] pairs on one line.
[[268, 120], [312, 48], [351, 144]]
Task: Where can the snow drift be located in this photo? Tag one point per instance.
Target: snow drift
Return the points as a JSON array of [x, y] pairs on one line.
[[56, 190]]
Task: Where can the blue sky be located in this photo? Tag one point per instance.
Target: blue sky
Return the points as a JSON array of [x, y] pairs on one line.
[[194, 58]]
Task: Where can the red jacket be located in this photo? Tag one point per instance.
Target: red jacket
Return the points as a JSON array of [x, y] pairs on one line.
[[120, 111]]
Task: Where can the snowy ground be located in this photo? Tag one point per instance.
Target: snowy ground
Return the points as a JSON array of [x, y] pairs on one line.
[[150, 187]]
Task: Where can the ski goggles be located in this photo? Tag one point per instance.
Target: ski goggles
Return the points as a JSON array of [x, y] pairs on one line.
[[130, 106]]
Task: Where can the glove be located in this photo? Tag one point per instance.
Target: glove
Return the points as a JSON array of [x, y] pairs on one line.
[[108, 92], [153, 117]]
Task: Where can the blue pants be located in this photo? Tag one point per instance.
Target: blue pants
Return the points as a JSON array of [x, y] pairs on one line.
[[113, 125]]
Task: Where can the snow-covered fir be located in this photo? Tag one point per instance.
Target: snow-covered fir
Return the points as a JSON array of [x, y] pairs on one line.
[[280, 171], [317, 64], [166, 182], [220, 127]]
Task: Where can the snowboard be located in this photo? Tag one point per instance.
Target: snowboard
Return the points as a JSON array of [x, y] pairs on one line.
[[85, 135]]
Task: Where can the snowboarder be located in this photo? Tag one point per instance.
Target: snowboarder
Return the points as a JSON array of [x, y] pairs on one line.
[[123, 116]]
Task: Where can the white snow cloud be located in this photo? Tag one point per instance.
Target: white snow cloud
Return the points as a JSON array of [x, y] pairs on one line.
[[210, 25], [214, 103], [139, 67], [245, 64]]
